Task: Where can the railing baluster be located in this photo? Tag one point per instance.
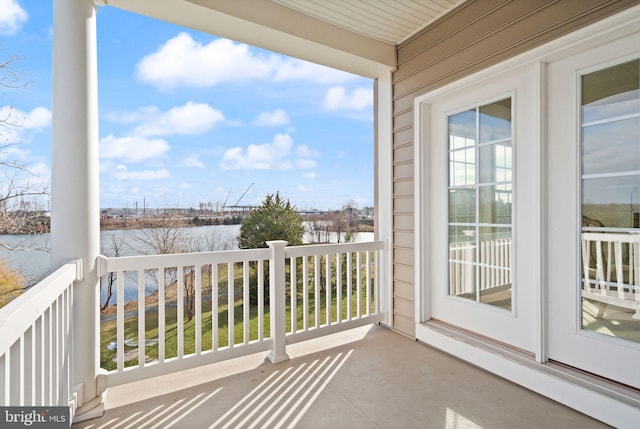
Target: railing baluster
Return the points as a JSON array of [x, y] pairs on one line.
[[15, 371], [214, 306], [198, 304], [48, 370], [294, 294], [619, 267], [230, 304], [162, 275], [40, 360], [245, 301], [120, 320], [338, 288], [327, 287], [368, 285], [180, 310], [27, 367], [316, 289], [359, 284], [55, 356], [260, 300], [349, 285], [305, 294], [141, 319]]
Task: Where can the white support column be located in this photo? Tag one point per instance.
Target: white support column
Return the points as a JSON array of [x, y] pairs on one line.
[[384, 188], [75, 204], [277, 302]]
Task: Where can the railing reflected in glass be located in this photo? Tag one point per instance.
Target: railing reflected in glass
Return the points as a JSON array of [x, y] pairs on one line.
[[480, 204], [610, 238]]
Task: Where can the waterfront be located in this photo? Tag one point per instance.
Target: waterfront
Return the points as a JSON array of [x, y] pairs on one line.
[[34, 262]]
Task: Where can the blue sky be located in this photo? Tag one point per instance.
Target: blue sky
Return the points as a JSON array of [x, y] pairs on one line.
[[186, 117]]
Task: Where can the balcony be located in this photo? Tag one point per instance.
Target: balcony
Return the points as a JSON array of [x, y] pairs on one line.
[[362, 378], [334, 366]]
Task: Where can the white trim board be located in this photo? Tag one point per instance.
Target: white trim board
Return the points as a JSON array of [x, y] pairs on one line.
[[600, 400]]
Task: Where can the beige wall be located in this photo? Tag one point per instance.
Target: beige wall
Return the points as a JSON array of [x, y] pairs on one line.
[[477, 34]]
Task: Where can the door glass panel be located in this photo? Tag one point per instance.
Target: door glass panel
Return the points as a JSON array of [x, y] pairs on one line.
[[610, 152], [480, 204]]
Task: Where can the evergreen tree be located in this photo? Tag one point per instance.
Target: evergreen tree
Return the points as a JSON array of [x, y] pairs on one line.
[[275, 219]]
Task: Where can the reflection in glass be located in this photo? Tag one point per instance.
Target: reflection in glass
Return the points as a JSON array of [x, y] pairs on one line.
[[495, 162], [610, 242], [611, 147], [462, 205], [495, 121], [494, 268], [495, 204], [462, 129], [462, 262], [462, 167], [480, 204], [611, 93]]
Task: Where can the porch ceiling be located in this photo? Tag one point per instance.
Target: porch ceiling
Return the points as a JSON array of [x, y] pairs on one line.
[[387, 21], [357, 36]]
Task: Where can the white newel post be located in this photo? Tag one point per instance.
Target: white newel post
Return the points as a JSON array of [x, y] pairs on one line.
[[277, 302], [75, 203]]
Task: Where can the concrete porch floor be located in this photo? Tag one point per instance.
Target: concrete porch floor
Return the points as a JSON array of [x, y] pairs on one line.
[[369, 377]]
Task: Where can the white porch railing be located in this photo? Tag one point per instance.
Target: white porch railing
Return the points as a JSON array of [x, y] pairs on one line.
[[36, 343], [493, 268], [611, 269], [313, 291]]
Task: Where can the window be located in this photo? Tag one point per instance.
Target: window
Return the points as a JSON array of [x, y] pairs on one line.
[[480, 203], [610, 159]]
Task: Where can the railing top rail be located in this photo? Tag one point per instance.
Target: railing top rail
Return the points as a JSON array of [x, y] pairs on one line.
[[125, 263], [612, 237], [327, 249], [20, 313], [181, 259]]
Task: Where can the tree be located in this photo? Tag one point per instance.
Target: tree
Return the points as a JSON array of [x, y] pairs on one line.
[[107, 282], [275, 219], [19, 181], [11, 284]]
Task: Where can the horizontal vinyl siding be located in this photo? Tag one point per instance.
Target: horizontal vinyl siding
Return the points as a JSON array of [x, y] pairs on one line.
[[476, 35]]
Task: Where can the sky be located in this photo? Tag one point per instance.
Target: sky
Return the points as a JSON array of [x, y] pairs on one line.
[[187, 117]]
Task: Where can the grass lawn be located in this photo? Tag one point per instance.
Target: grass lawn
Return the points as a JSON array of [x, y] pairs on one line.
[[108, 327]]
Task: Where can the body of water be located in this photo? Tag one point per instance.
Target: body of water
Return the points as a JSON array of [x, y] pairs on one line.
[[34, 262]]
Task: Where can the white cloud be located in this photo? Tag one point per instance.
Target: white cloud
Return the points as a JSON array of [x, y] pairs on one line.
[[182, 61], [294, 69], [338, 99], [132, 149], [305, 164], [12, 16], [192, 161], [278, 155], [125, 174], [310, 175], [39, 117], [272, 119], [17, 121], [303, 151], [139, 115], [192, 118], [185, 185]]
